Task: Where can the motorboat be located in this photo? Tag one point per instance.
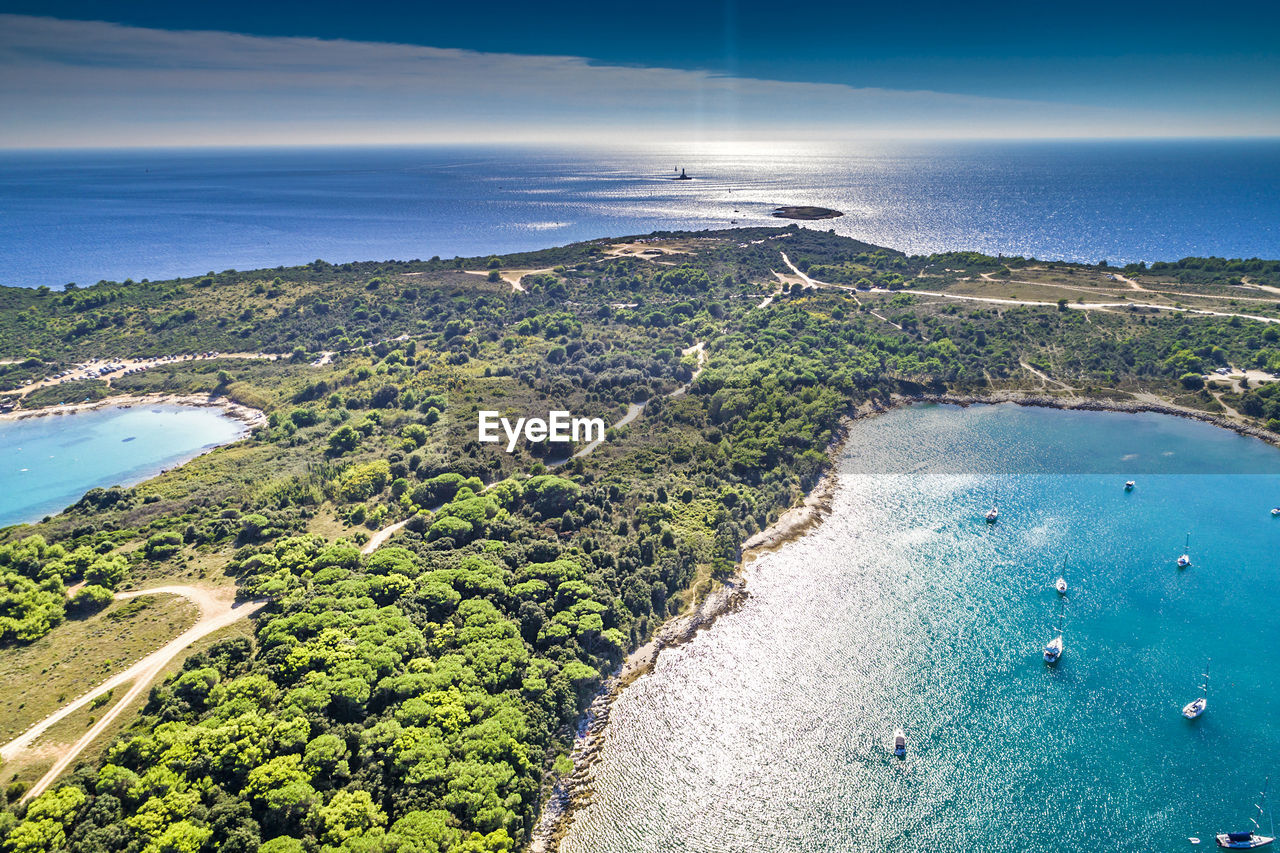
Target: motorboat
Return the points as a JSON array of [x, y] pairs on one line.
[[900, 743], [1129, 485]]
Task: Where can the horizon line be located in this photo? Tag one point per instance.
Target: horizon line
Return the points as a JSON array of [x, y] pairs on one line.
[[600, 143]]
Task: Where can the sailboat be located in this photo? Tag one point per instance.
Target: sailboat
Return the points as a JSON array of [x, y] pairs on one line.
[[993, 515], [900, 743], [1055, 647], [1275, 511], [1196, 707], [1061, 583], [1185, 559], [1249, 839]]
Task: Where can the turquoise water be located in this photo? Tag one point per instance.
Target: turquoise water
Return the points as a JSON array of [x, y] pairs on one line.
[[47, 463], [771, 731]]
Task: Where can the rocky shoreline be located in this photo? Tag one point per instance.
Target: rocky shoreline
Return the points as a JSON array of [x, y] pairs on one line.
[[574, 790]]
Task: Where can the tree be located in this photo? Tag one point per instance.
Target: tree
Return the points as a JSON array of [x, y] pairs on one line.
[[110, 570], [343, 440], [350, 814]]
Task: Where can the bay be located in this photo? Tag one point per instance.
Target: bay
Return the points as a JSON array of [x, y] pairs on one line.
[[771, 731], [48, 462]]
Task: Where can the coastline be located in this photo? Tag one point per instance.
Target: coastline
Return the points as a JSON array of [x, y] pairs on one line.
[[1089, 404], [574, 791], [250, 417]]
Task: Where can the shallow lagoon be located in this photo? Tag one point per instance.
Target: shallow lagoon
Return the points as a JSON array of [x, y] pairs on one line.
[[47, 463], [771, 731]]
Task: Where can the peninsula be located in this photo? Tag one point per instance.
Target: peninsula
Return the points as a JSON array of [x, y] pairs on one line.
[[427, 615]]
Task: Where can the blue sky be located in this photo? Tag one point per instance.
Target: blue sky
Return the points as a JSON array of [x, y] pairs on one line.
[[324, 72]]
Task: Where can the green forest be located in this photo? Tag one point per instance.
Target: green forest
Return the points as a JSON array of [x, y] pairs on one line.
[[423, 698]]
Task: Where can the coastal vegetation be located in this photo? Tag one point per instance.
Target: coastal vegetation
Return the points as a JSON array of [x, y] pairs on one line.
[[423, 696]]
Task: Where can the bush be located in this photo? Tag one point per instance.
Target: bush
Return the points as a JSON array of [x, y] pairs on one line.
[[162, 546], [89, 599]]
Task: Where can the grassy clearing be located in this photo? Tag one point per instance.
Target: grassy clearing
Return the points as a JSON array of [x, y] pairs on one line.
[[29, 768], [36, 680]]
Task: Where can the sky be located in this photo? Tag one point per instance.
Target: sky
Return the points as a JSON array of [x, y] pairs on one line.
[[80, 73]]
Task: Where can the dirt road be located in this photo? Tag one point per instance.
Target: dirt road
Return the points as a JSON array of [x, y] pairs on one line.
[[218, 609]]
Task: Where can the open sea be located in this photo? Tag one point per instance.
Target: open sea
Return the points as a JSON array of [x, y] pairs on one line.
[[771, 731], [86, 216], [47, 463]]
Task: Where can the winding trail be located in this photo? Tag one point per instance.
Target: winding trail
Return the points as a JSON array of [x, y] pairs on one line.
[[1074, 306], [512, 277], [218, 609], [853, 291], [378, 539]]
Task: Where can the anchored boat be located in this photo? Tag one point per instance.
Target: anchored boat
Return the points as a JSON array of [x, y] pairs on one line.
[[1196, 707], [900, 743], [1185, 559], [1249, 839]]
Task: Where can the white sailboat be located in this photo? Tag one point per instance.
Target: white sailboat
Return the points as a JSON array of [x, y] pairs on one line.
[[1061, 583], [1185, 559], [1053, 650], [1197, 706], [1252, 838], [1275, 510], [993, 514]]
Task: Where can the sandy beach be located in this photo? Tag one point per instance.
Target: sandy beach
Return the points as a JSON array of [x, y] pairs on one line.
[[250, 417]]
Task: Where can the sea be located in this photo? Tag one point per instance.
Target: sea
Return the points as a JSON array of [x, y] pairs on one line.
[[47, 463], [85, 216], [772, 730]]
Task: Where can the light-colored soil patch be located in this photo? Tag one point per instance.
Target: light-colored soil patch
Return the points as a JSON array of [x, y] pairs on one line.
[[108, 369], [512, 277], [250, 417], [646, 250]]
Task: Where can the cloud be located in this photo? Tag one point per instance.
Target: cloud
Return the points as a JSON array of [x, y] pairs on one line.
[[85, 83]]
